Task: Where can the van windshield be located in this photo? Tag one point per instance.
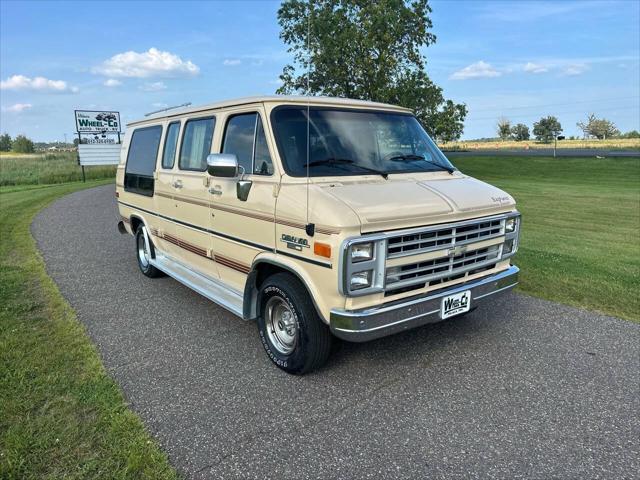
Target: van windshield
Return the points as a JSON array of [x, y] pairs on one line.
[[353, 142]]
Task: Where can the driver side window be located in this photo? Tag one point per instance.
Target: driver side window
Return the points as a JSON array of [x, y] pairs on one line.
[[245, 137]]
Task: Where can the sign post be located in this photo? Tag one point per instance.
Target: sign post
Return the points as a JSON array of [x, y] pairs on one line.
[[98, 138]]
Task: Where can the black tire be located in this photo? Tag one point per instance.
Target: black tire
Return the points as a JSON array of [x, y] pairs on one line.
[[312, 344], [146, 268]]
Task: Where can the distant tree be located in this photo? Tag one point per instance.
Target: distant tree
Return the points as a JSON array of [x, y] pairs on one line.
[[367, 51], [600, 128], [632, 134], [5, 142], [520, 132], [503, 128], [75, 142], [547, 129], [22, 144]]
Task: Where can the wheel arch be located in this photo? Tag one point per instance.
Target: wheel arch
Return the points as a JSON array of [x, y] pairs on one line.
[[261, 269]]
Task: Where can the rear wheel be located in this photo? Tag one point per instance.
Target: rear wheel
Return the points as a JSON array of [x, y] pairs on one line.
[[143, 253], [292, 333]]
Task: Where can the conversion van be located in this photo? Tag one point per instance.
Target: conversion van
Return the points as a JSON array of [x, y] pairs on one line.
[[315, 217]]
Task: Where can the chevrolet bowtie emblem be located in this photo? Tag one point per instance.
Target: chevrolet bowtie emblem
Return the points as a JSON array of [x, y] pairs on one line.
[[455, 251]]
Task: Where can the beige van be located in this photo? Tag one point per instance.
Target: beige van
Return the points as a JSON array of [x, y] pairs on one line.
[[316, 217]]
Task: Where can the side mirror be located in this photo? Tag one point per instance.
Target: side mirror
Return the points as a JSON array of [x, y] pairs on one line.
[[222, 165]]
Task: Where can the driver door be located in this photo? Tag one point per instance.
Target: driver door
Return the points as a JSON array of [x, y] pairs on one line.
[[244, 227]]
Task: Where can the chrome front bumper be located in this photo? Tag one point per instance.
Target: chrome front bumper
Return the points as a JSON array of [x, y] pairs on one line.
[[376, 322]]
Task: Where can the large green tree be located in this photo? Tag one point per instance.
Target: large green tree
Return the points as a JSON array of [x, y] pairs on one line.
[[369, 51], [5, 142], [22, 144], [547, 128]]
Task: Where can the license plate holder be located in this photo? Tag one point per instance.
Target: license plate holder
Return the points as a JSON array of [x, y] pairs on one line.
[[455, 304]]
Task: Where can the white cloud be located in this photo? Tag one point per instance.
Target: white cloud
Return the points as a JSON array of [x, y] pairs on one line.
[[476, 70], [153, 87], [575, 69], [112, 82], [152, 63], [232, 62], [18, 107], [535, 68], [21, 82]]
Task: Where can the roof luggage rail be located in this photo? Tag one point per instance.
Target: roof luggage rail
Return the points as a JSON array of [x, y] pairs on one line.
[[168, 108]]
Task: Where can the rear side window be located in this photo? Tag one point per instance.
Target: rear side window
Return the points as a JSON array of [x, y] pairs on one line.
[[244, 136], [196, 144], [141, 160], [170, 144]]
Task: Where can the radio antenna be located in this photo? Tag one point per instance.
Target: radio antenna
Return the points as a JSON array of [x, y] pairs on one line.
[[310, 228]]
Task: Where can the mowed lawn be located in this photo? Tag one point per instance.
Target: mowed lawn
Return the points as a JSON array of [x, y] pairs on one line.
[[61, 415], [580, 241]]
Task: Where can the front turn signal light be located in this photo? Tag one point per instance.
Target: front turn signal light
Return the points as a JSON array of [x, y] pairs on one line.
[[322, 249]]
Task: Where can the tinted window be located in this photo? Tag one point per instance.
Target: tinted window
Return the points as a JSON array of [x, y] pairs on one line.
[[143, 151], [170, 144], [141, 160], [241, 137], [196, 144], [352, 142]]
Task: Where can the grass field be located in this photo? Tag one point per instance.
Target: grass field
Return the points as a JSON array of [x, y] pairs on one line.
[[612, 144], [47, 168], [61, 415], [580, 241]]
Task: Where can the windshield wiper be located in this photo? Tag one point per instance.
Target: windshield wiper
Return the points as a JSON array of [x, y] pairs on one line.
[[345, 161], [410, 158]]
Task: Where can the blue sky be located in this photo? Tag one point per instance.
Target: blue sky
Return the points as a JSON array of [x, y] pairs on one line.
[[520, 60]]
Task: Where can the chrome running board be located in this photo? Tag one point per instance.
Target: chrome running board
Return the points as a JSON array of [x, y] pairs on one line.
[[206, 286]]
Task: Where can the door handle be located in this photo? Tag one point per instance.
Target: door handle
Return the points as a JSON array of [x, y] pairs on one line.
[[215, 191], [177, 184]]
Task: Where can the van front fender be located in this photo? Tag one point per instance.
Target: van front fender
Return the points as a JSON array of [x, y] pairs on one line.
[[270, 262]]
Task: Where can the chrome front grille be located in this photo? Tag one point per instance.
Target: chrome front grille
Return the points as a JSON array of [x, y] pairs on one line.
[[448, 252], [442, 269], [406, 260], [436, 239]]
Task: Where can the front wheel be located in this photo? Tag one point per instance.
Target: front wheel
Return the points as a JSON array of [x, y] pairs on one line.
[[292, 333]]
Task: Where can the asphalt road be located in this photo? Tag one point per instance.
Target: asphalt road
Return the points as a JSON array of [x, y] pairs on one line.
[[544, 152], [523, 388]]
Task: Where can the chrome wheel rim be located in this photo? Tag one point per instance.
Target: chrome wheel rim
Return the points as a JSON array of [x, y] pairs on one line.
[[282, 327], [143, 251]]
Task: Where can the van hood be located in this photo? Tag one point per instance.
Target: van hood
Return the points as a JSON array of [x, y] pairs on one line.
[[411, 202]]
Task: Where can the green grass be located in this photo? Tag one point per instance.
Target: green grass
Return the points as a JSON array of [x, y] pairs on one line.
[[61, 415], [580, 242], [47, 168]]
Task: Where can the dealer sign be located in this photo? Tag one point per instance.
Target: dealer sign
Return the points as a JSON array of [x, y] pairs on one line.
[[88, 121]]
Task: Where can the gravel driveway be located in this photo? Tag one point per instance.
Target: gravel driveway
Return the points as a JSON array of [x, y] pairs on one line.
[[520, 388]]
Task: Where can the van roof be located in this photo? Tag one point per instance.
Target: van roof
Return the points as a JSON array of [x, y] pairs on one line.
[[280, 99]]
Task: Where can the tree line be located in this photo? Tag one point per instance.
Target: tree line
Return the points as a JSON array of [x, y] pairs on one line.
[[548, 128], [20, 144]]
